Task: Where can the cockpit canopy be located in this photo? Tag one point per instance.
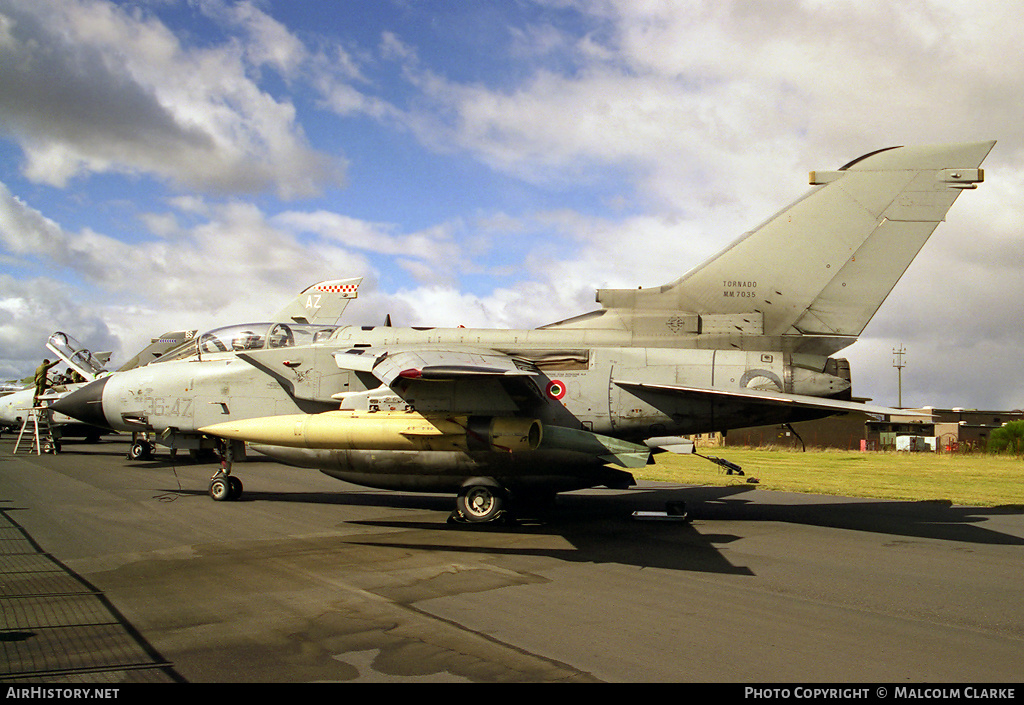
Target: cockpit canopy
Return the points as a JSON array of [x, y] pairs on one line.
[[77, 356], [257, 336]]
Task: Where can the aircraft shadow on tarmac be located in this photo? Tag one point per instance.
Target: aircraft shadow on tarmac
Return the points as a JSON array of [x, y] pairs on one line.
[[916, 519], [599, 527], [602, 528]]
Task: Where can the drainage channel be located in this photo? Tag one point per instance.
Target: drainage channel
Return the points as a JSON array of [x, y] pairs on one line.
[[57, 628]]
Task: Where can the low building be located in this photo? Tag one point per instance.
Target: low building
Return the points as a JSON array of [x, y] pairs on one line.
[[843, 432], [944, 430], [952, 429]]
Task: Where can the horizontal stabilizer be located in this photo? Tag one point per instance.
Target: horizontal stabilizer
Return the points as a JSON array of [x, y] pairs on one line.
[[605, 448], [761, 399], [671, 444], [627, 460]]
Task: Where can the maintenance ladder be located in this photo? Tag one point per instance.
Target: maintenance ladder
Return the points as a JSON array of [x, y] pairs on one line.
[[39, 422]]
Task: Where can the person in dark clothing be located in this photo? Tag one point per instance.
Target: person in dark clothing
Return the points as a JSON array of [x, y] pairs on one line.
[[42, 380]]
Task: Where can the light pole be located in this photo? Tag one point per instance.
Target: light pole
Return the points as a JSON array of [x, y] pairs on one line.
[[899, 364]]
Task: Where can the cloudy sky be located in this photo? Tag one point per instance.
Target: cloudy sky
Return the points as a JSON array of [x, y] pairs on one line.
[[192, 163]]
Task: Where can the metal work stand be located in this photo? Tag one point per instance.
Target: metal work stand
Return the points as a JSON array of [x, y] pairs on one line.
[[38, 423]]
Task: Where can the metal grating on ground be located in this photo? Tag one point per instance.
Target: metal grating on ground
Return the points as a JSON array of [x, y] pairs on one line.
[[57, 628]]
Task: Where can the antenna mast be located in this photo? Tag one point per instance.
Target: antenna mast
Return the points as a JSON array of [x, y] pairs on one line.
[[899, 364]]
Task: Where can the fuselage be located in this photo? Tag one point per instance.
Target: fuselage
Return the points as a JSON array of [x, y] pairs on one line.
[[573, 380], [15, 407]]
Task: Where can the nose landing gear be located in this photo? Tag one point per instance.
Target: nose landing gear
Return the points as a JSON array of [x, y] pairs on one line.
[[225, 487]]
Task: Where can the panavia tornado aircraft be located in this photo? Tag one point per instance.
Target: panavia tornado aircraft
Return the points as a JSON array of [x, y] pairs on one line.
[[745, 339]]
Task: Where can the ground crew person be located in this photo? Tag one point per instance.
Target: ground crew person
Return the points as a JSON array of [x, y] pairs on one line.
[[41, 379]]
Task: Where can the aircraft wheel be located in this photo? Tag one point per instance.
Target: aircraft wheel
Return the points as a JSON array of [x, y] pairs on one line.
[[220, 488], [480, 503], [140, 450], [235, 487]]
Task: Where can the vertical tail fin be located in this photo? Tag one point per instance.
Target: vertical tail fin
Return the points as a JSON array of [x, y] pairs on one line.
[[824, 265], [323, 302], [168, 343]]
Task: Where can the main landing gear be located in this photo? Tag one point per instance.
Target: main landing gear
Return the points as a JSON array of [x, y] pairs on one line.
[[481, 500]]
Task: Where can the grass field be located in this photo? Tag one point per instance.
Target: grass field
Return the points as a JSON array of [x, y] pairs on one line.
[[967, 479]]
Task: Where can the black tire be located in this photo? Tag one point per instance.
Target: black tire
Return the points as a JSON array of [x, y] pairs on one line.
[[137, 451], [220, 488], [235, 487], [480, 503]]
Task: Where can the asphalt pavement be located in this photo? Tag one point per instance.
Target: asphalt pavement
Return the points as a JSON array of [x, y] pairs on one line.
[[122, 571]]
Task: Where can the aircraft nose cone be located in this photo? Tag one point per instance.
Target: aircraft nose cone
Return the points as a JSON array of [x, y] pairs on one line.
[[85, 404]]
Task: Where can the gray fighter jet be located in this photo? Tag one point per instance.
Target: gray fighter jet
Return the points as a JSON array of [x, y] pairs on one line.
[[745, 339]]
